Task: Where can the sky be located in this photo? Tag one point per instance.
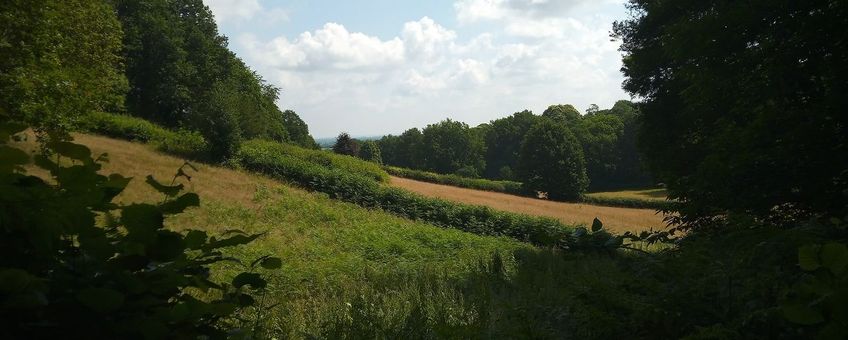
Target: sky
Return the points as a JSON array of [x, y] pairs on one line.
[[375, 67]]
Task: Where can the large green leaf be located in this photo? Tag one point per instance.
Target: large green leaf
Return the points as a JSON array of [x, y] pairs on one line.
[[808, 257], [102, 300], [834, 257], [801, 314], [142, 220]]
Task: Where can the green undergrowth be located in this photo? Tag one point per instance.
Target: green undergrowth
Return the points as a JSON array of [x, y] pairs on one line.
[[320, 158], [181, 142]]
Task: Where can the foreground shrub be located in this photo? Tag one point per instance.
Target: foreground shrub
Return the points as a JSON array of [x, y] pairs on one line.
[[73, 264], [182, 143]]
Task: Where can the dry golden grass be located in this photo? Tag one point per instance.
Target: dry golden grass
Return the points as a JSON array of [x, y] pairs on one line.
[[616, 220], [138, 160], [648, 194]]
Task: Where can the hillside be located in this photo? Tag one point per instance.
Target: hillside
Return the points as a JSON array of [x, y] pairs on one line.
[[330, 249]]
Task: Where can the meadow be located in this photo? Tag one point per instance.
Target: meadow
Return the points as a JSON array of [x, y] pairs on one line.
[[351, 272]]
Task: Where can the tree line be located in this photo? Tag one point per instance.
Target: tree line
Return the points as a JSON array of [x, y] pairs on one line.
[[561, 152], [161, 60]]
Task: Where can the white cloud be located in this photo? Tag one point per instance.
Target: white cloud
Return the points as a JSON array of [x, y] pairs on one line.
[[242, 11], [233, 10], [339, 80]]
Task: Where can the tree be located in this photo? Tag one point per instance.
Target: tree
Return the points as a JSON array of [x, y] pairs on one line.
[[598, 134], [370, 151], [59, 60], [564, 114], [743, 104], [298, 131], [449, 145], [552, 161], [346, 145], [503, 143]]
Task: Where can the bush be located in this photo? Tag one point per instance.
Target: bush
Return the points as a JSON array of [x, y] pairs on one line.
[[326, 159], [628, 202], [264, 158], [182, 143], [508, 187], [73, 264]]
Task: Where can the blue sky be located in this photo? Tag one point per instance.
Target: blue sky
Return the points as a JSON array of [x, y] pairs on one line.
[[378, 67]]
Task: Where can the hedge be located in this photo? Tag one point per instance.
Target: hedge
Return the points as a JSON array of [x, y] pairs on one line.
[[364, 191], [325, 159], [508, 187]]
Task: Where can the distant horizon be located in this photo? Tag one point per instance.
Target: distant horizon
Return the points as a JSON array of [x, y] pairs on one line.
[[378, 67]]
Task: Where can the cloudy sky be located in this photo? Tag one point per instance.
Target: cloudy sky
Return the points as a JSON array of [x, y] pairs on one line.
[[373, 67]]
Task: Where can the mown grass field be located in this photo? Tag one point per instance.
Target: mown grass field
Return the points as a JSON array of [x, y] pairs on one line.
[[616, 220]]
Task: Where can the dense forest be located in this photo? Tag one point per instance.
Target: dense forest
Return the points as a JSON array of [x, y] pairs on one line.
[[598, 149], [739, 114], [161, 60]]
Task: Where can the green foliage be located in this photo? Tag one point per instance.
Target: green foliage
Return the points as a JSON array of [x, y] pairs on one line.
[[58, 60], [181, 143], [404, 150], [268, 150], [564, 114], [75, 264], [625, 202], [182, 75], [503, 143], [552, 161], [458, 181], [298, 131], [743, 105], [818, 299], [449, 145], [345, 145], [370, 151]]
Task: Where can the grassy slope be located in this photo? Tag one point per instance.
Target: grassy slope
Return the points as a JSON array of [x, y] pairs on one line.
[[329, 248]]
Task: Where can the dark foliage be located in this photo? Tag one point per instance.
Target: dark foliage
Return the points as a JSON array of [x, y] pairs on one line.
[[552, 161], [345, 145], [743, 104]]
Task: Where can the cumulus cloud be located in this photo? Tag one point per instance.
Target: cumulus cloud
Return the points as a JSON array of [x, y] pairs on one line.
[[233, 10], [240, 11], [339, 80]]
